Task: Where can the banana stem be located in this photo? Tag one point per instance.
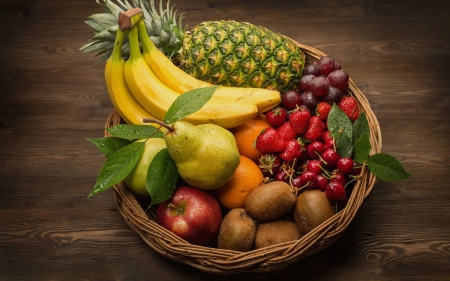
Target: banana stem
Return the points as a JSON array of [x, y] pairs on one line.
[[167, 126], [147, 44], [116, 55], [135, 50]]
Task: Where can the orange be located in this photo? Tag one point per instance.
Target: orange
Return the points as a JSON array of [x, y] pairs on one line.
[[247, 177], [246, 135]]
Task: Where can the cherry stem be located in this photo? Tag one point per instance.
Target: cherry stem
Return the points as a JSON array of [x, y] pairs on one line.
[[167, 126]]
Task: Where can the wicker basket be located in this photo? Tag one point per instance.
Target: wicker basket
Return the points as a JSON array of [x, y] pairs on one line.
[[271, 258]]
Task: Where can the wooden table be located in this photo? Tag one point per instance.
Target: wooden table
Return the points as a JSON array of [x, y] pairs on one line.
[[53, 96]]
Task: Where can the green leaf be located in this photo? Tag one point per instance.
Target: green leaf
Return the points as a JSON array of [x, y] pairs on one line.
[[341, 128], [135, 132], [362, 148], [188, 103], [162, 177], [387, 167], [108, 146], [118, 166], [361, 126]]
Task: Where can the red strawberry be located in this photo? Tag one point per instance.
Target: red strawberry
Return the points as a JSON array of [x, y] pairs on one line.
[[315, 129], [276, 116], [322, 110], [269, 164], [350, 107], [270, 141], [300, 120], [287, 131], [293, 151]]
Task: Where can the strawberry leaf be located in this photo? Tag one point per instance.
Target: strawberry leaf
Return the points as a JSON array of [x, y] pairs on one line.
[[188, 103], [341, 128], [162, 177], [362, 148], [118, 166], [361, 126], [387, 167], [135, 132], [108, 146]]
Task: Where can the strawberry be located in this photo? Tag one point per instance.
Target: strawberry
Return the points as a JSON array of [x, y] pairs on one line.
[[293, 151], [270, 141], [349, 105], [315, 129], [269, 164], [276, 116], [287, 131], [326, 135], [300, 120], [322, 110]]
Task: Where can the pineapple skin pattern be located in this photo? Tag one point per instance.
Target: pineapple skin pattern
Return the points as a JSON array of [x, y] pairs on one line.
[[241, 54], [226, 53]]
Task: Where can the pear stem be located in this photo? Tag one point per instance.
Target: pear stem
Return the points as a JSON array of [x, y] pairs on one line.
[[167, 126]]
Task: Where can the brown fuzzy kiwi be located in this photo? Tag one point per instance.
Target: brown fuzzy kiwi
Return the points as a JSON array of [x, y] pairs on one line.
[[275, 232], [311, 209], [270, 201], [237, 231]]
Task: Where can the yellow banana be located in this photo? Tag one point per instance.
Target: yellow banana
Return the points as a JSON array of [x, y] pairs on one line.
[[122, 99], [156, 97], [182, 82]]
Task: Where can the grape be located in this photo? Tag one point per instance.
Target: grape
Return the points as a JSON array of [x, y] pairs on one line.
[[339, 79], [309, 99], [325, 65], [291, 99], [337, 65], [311, 69], [305, 82], [334, 95], [319, 86]]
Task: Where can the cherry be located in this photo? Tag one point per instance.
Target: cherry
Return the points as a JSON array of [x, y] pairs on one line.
[[330, 156], [357, 167], [281, 176], [322, 182], [335, 191], [314, 166], [314, 149], [296, 182], [340, 178], [345, 165], [309, 180], [330, 143], [326, 136]]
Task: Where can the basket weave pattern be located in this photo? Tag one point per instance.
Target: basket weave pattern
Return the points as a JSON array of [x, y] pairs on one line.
[[271, 258]]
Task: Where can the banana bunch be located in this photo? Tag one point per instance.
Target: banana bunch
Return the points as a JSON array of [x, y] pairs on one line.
[[146, 85]]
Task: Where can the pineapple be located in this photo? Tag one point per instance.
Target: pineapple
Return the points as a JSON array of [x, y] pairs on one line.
[[227, 53]]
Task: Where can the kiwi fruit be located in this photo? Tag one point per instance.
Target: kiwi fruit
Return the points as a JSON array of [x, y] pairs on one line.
[[270, 201], [237, 231], [311, 209], [275, 232]]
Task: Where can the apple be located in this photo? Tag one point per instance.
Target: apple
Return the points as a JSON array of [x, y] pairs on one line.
[[135, 180], [192, 214]]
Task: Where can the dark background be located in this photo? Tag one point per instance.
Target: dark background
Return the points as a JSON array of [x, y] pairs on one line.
[[52, 97]]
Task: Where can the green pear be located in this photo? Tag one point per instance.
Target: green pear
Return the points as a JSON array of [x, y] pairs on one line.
[[206, 155], [135, 180]]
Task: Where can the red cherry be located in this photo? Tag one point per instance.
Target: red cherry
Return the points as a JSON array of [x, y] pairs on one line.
[[309, 180], [314, 149], [322, 182], [335, 191], [345, 165], [314, 166], [330, 156]]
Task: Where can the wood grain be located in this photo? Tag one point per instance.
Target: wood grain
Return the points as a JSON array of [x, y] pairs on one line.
[[53, 96]]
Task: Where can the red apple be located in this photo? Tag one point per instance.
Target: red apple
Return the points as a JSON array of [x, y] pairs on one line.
[[192, 214]]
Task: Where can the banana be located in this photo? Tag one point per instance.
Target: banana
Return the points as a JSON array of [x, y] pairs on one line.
[[122, 99], [156, 97], [182, 82]]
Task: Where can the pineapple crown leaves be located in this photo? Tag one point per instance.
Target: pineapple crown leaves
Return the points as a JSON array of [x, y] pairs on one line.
[[164, 29]]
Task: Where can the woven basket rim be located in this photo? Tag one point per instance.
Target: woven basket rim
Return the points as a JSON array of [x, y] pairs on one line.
[[219, 261]]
